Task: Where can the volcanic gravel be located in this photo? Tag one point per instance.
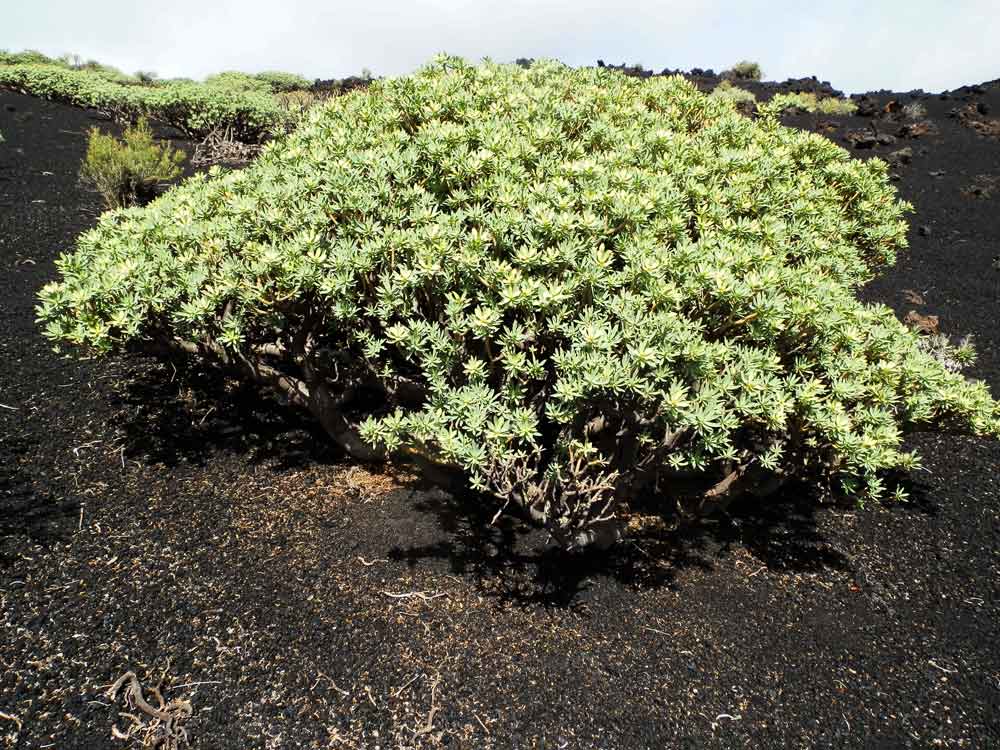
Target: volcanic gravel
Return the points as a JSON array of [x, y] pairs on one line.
[[160, 521]]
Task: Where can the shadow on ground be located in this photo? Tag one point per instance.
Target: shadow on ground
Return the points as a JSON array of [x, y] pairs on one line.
[[176, 417]]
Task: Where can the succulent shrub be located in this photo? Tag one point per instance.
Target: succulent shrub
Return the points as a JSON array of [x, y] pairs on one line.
[[193, 108], [739, 97], [124, 172], [233, 80], [279, 81], [579, 290], [744, 70], [809, 102]]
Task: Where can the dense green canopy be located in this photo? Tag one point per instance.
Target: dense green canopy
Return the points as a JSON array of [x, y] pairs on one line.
[[590, 283]]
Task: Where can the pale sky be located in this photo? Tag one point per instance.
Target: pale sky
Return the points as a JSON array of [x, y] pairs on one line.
[[857, 45]]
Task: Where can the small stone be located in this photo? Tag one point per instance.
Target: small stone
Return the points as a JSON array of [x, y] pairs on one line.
[[902, 156], [925, 231]]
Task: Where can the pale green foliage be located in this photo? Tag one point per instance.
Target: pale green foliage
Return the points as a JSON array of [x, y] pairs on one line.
[[29, 57], [279, 81], [124, 171], [809, 102], [726, 91], [832, 105], [540, 247], [233, 80], [194, 109], [745, 71]]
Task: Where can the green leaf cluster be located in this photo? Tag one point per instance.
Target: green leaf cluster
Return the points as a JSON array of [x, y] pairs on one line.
[[566, 262]]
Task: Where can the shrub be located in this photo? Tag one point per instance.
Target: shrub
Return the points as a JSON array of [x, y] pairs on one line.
[[576, 288], [279, 81], [194, 109], [726, 91], [232, 80], [744, 71], [833, 105], [28, 57], [809, 102], [124, 172], [298, 102]]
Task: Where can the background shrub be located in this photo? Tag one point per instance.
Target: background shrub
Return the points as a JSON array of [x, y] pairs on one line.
[[279, 81], [576, 288], [232, 80], [726, 91], [195, 109], [744, 71], [125, 172], [809, 102]]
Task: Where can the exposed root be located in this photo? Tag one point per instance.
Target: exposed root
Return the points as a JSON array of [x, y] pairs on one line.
[[428, 726], [163, 729], [219, 147], [9, 717]]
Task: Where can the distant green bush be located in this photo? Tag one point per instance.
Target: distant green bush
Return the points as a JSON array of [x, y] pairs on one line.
[[194, 109], [809, 102], [232, 80], [583, 290], [124, 172], [28, 57], [280, 82], [726, 91], [744, 71]]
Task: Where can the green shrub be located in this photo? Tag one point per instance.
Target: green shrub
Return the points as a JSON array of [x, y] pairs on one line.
[[809, 102], [28, 57], [279, 81], [194, 109], [726, 91], [125, 172], [744, 71], [232, 80], [577, 288], [832, 105]]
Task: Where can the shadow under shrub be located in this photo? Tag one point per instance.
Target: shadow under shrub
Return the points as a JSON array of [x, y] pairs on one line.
[[579, 291]]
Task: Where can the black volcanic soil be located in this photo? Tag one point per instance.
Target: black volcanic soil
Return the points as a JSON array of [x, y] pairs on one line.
[[214, 546]]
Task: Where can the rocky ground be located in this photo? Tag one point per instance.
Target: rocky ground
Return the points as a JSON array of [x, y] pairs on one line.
[[279, 597]]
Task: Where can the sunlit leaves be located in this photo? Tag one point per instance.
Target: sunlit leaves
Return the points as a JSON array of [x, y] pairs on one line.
[[539, 247]]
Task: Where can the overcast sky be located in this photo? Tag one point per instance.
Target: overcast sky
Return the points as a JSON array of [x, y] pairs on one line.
[[857, 45]]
